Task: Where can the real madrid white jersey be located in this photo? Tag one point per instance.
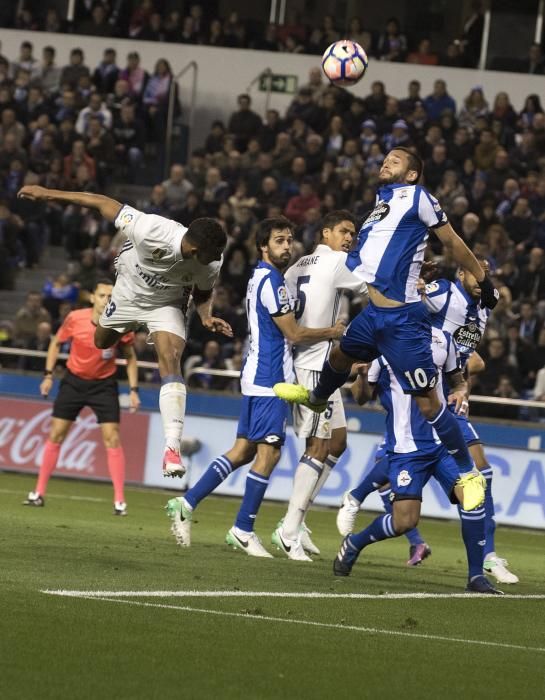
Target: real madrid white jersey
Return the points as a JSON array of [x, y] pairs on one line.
[[150, 268], [392, 240], [269, 356], [316, 282], [454, 310], [406, 428]]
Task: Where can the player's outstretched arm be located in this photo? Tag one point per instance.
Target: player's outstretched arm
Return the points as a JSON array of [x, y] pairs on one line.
[[203, 303], [361, 389], [108, 208], [465, 258], [306, 336]]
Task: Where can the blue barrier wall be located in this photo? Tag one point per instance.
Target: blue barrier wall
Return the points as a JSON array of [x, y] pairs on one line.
[[516, 435]]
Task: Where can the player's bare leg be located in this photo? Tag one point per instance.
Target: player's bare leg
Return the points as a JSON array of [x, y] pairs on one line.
[[180, 509], [172, 398], [116, 464], [106, 337], [241, 535], [57, 434]]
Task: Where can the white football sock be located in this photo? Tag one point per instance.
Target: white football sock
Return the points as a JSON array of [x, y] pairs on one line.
[[172, 406], [330, 462], [306, 475]]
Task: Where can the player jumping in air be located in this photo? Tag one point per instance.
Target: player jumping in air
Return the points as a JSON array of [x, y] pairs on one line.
[[317, 281], [89, 381], [395, 323], [455, 307], [414, 454], [262, 424], [161, 263]]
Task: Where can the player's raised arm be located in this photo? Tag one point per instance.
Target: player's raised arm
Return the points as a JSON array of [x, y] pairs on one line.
[[108, 208], [465, 258], [298, 334]]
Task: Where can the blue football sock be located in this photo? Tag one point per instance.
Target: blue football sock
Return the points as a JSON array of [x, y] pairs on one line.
[[375, 478], [450, 434], [382, 528], [217, 472], [256, 485], [489, 520], [413, 535], [473, 535], [330, 380]]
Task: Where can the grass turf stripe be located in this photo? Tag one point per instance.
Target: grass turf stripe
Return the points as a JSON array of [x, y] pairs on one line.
[[280, 594], [322, 625]]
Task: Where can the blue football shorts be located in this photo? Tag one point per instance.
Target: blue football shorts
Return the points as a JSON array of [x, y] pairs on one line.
[[263, 419], [403, 335], [410, 472]]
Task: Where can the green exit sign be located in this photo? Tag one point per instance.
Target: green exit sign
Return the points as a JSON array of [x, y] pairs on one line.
[[278, 83]]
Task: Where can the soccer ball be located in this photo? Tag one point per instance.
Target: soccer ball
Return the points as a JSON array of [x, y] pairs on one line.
[[344, 62]]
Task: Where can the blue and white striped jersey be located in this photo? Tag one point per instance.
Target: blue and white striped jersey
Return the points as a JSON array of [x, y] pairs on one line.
[[392, 240], [269, 357], [455, 311], [406, 428]]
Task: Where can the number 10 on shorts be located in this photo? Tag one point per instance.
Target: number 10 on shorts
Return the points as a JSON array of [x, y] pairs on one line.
[[419, 380]]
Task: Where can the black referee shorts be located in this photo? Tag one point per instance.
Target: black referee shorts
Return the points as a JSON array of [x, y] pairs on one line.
[[100, 395]]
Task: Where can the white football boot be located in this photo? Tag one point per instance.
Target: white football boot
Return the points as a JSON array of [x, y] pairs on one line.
[[247, 542], [347, 514]]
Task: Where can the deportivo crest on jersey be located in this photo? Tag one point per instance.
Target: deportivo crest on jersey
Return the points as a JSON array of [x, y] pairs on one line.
[[380, 212]]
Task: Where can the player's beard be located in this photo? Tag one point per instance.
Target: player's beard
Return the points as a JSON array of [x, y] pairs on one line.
[[391, 179], [281, 262]]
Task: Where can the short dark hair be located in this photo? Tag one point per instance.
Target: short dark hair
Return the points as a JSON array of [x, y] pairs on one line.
[[102, 280], [207, 234], [335, 217], [49, 49], [266, 227], [415, 161]]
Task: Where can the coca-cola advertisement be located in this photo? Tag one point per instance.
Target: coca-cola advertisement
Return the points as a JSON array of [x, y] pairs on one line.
[[24, 428]]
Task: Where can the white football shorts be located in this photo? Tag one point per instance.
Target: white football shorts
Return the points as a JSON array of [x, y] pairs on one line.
[[307, 423], [123, 315]]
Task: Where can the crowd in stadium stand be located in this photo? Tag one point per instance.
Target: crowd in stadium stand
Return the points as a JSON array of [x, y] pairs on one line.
[[192, 23], [82, 127]]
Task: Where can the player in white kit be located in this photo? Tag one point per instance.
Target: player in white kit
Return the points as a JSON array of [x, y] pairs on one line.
[[159, 267], [317, 282]]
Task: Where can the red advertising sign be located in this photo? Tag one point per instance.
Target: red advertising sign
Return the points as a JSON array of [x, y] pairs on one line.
[[24, 427]]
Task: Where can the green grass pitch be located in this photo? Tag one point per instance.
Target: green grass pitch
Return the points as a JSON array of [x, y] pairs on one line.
[[240, 646]]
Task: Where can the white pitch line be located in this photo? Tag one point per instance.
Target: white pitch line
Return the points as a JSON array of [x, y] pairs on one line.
[[58, 495], [326, 625], [280, 594]]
